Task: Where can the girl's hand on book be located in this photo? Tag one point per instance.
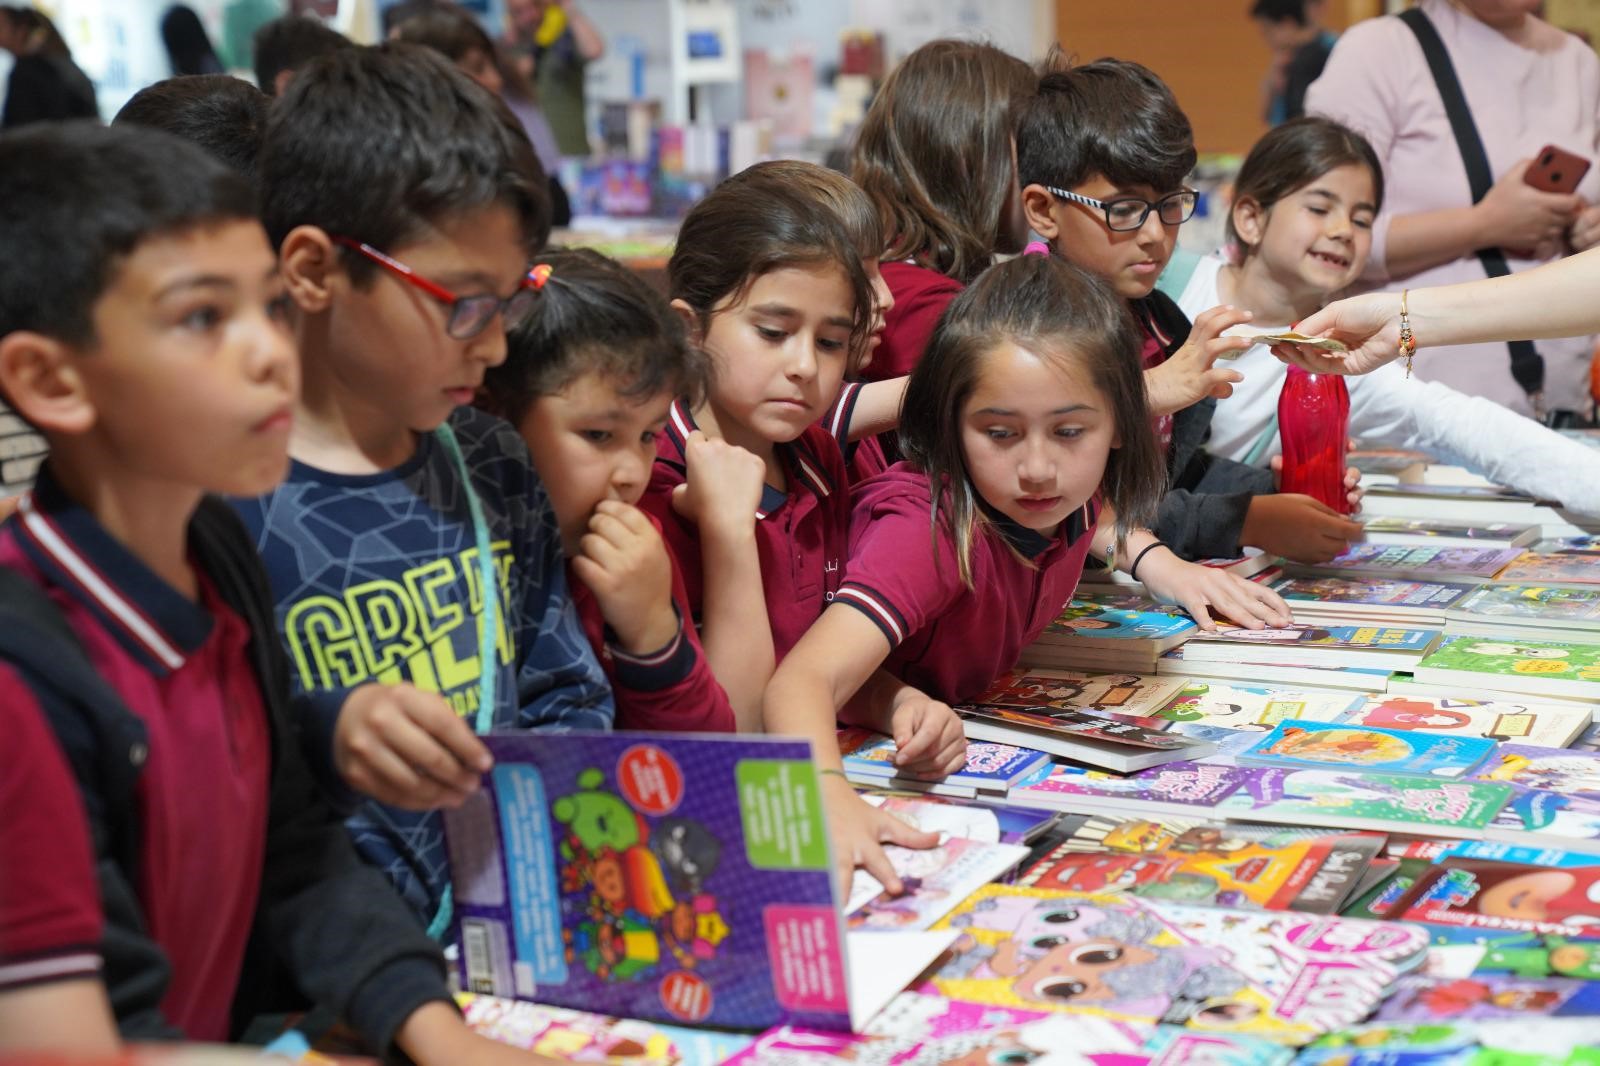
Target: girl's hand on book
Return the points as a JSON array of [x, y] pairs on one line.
[[928, 737], [1206, 590], [407, 748], [625, 564], [1298, 527], [859, 831], [1191, 374]]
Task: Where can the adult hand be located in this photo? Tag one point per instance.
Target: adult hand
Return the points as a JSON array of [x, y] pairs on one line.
[[1516, 215], [1368, 325], [1585, 231]]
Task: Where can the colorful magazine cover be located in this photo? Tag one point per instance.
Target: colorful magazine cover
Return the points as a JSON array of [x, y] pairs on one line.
[[1010, 824], [1303, 637], [1253, 707], [1421, 998], [1520, 665], [934, 881], [577, 1036], [1379, 592], [1503, 895], [1560, 568], [1537, 819], [1040, 691], [1315, 745], [1193, 787], [1440, 564], [645, 875], [1285, 977], [1550, 724], [1367, 799], [1535, 604], [1554, 1042], [1095, 619], [990, 767]]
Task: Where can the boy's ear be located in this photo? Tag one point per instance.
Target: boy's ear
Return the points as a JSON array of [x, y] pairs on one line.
[[1039, 205], [309, 262], [1249, 220], [41, 383], [691, 322]]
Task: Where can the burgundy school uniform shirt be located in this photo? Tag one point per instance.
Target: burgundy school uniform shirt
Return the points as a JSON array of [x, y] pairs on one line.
[[920, 297], [800, 534], [668, 690], [1151, 355], [184, 669], [863, 458], [946, 639], [50, 920]]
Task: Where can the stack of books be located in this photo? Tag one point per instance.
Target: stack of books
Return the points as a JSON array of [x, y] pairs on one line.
[[1110, 630]]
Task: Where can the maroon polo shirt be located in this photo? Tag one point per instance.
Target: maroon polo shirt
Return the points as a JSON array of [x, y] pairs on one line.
[[920, 297], [863, 458], [946, 639], [185, 670], [800, 534], [1152, 354], [50, 919]]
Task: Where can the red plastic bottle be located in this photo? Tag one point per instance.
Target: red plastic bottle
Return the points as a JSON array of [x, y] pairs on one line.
[[1314, 426]]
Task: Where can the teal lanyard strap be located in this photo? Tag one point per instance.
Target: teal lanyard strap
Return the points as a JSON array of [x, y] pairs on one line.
[[1263, 442], [488, 629]]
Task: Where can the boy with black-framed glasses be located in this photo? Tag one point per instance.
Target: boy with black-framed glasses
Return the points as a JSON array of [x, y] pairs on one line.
[[1103, 151], [413, 554]]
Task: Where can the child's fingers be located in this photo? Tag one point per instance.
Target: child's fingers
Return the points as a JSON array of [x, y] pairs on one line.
[[918, 746], [1196, 606], [431, 712], [605, 554], [626, 514], [870, 857], [892, 830]]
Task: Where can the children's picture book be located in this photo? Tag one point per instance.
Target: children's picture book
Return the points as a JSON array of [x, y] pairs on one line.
[[934, 881], [1288, 977], [1554, 1042], [1513, 664], [1444, 533], [1497, 605], [1179, 789], [1505, 896], [1363, 647], [1548, 724], [1357, 798], [1113, 631], [1085, 738], [1555, 568], [1008, 824], [673, 878], [1041, 691], [1321, 745], [1254, 707], [1375, 598], [1415, 562], [1548, 769], [1538, 819], [1180, 664], [576, 1036], [869, 759], [1421, 998]]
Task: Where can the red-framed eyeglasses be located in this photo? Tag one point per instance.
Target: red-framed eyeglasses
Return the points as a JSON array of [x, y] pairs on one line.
[[469, 314]]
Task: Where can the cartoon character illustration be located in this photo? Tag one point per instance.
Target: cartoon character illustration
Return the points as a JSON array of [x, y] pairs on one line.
[[688, 853], [1543, 895], [596, 819], [1293, 633], [615, 948], [1357, 746], [1566, 774], [693, 930], [1518, 651], [1397, 712], [1532, 955]]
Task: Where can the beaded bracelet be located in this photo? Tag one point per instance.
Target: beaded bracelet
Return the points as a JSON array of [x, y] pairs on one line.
[[1408, 343]]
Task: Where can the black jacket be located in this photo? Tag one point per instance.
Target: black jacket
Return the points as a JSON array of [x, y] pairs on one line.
[[328, 929], [1202, 514]]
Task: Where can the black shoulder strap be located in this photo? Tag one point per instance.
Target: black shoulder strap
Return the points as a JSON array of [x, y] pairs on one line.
[[1527, 365]]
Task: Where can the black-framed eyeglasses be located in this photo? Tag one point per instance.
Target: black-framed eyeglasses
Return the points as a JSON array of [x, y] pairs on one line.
[[1129, 212], [471, 314]]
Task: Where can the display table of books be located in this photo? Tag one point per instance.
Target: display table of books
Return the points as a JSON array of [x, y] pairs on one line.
[[1372, 837]]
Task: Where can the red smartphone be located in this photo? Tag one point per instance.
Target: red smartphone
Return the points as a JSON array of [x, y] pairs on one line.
[[1556, 170]]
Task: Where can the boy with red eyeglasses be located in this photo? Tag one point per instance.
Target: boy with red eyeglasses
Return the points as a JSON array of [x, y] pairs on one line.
[[405, 207]]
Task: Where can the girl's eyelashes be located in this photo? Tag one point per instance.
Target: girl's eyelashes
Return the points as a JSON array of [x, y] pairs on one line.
[[1069, 432], [595, 436], [770, 334]]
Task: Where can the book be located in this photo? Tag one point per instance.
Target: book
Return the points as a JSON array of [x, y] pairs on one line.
[[1494, 607], [1085, 738], [1588, 543], [1581, 569], [1254, 707], [1554, 1042], [1541, 820], [577, 1035], [1547, 724], [1444, 533], [1361, 647], [1139, 695], [1112, 631], [1408, 685], [1007, 824], [1410, 562], [1452, 492], [1179, 664], [1417, 603], [1406, 467], [869, 759], [1320, 745], [672, 878], [1287, 977], [1191, 862], [1551, 769], [1423, 998], [1367, 799], [1183, 790], [934, 881], [1505, 896], [1527, 666]]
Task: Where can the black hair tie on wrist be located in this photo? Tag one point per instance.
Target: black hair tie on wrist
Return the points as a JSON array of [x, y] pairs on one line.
[[1133, 571]]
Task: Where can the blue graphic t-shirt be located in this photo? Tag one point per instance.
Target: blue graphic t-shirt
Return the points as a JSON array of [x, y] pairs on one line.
[[376, 578]]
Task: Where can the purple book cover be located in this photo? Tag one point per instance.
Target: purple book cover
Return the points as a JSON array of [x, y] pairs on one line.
[[1191, 784], [656, 876], [1488, 997]]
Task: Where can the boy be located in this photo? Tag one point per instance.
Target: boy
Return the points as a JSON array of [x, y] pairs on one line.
[[1102, 154], [286, 44], [157, 363], [404, 207], [219, 112]]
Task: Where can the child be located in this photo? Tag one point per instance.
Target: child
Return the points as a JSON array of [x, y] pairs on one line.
[[1030, 406], [404, 207], [1103, 150], [587, 383], [219, 112], [159, 364], [284, 45], [1303, 208], [769, 283]]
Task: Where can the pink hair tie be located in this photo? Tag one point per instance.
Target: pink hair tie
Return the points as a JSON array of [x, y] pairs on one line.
[[1037, 248]]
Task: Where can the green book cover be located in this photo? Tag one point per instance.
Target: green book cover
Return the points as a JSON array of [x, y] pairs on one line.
[[1531, 659], [1357, 798]]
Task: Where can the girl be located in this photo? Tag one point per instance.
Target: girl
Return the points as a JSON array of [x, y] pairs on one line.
[[1304, 205], [587, 381], [769, 282], [1028, 447]]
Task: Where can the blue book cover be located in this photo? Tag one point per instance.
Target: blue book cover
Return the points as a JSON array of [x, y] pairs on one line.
[[1300, 744], [672, 878], [991, 767], [1118, 618]]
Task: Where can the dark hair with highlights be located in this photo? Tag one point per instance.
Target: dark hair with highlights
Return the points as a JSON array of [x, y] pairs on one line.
[[380, 144], [594, 316], [1111, 117], [1294, 155], [934, 154], [758, 221], [1063, 314]]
